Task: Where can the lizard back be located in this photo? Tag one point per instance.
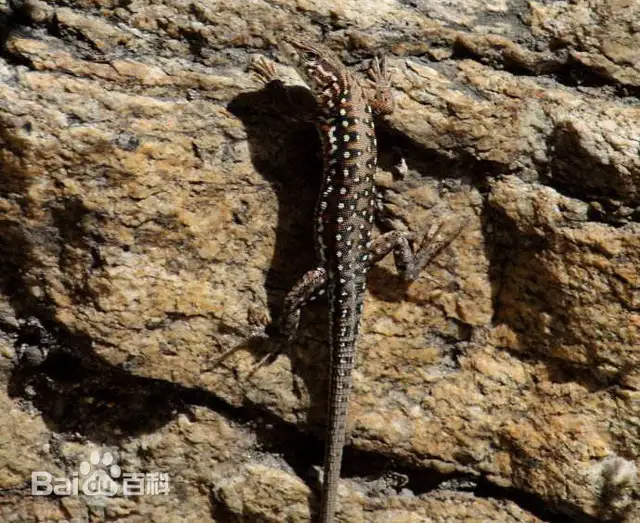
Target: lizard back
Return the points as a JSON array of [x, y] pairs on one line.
[[343, 229]]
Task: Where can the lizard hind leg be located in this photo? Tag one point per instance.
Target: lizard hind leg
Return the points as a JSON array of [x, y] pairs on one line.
[[312, 285], [308, 288]]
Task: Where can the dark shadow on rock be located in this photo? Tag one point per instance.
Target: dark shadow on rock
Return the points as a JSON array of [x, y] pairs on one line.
[[286, 152], [16, 20], [78, 230], [78, 392], [580, 173], [285, 149], [528, 298]]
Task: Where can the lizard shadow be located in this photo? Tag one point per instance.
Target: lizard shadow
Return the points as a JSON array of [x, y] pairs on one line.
[[285, 150]]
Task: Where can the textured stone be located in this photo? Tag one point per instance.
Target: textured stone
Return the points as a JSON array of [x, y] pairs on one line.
[[156, 205]]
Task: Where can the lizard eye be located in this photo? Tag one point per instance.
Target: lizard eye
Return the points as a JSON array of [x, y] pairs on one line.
[[309, 56]]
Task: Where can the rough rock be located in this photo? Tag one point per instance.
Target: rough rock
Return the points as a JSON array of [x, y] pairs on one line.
[[156, 205]]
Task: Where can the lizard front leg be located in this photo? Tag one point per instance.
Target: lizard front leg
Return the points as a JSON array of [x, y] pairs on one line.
[[382, 100], [408, 263]]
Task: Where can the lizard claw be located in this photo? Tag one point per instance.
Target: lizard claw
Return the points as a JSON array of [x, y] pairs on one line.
[[410, 236], [379, 72], [382, 102], [256, 344], [264, 69]]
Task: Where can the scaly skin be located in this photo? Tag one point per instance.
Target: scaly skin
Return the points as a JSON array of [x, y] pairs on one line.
[[344, 219]]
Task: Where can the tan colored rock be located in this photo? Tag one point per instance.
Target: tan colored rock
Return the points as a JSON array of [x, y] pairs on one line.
[[156, 205], [603, 36]]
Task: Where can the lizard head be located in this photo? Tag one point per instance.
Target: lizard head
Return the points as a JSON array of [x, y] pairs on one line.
[[319, 68]]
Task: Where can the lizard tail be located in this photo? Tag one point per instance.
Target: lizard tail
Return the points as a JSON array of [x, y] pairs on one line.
[[339, 393]]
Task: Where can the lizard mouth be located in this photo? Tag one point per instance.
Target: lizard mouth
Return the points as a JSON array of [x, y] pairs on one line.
[[290, 48]]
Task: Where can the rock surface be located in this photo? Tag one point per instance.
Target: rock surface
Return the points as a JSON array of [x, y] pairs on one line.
[[156, 205]]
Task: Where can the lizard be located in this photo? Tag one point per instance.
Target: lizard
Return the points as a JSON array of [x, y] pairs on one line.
[[344, 219]]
